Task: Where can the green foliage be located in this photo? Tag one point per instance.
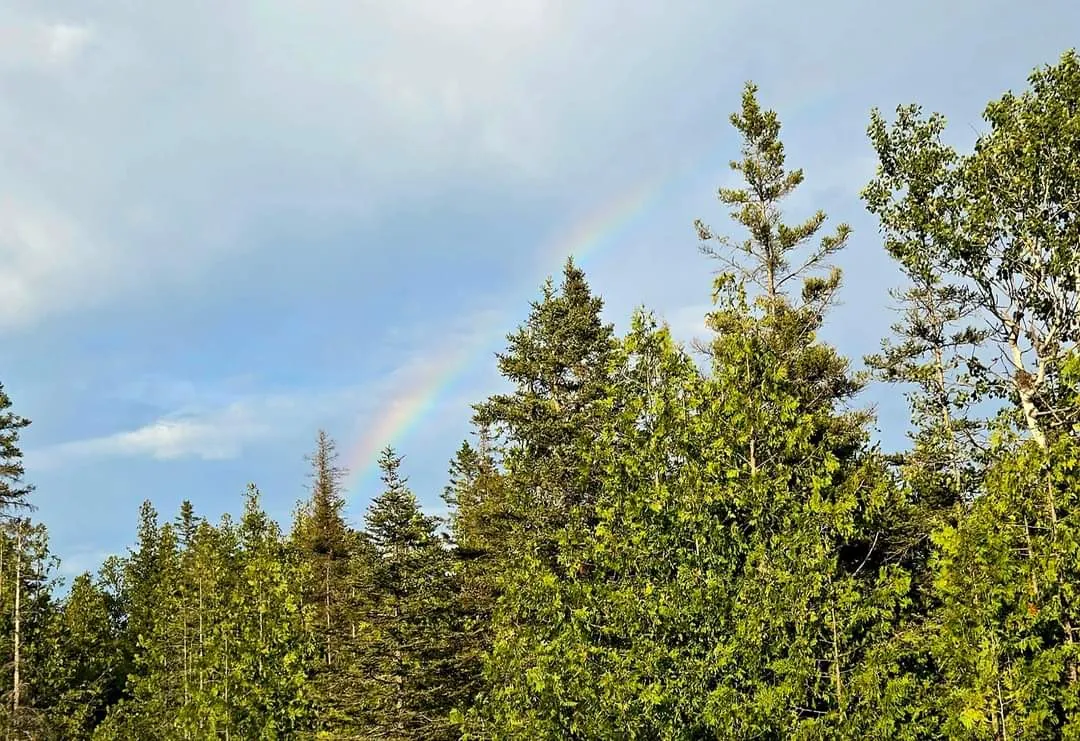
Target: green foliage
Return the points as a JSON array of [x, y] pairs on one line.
[[82, 662], [13, 490], [996, 231], [764, 257], [1006, 576], [559, 362], [406, 658]]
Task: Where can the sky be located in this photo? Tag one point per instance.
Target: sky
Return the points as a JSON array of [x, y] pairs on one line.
[[224, 226]]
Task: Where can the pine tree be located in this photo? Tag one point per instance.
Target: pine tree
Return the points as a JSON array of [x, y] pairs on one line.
[[764, 257], [83, 661], [559, 362], [324, 543], [13, 490], [134, 582], [816, 587], [407, 666]]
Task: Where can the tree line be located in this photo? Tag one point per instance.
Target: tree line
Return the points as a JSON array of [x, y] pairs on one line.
[[653, 541]]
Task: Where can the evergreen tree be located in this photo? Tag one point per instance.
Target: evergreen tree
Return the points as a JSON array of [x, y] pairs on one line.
[[82, 661], [320, 533], [273, 647], [479, 526], [26, 599], [764, 258], [13, 490], [559, 363], [408, 652], [1005, 633], [816, 587]]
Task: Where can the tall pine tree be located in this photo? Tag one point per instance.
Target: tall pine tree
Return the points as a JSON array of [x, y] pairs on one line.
[[408, 654]]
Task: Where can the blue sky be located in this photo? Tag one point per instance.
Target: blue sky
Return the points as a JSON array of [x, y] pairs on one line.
[[225, 225]]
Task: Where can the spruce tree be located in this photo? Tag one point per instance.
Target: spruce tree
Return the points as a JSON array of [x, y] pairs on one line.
[[83, 661], [559, 362], [324, 542], [13, 490], [408, 651], [479, 528]]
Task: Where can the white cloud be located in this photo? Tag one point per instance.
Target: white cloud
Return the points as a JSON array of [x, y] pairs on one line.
[[44, 254], [216, 431], [171, 132], [67, 40], [222, 421], [214, 435], [29, 43]]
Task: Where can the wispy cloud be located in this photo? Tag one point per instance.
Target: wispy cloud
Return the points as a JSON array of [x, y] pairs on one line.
[[215, 432], [220, 421], [29, 42]]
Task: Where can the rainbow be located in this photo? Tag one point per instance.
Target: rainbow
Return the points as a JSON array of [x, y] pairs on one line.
[[424, 385], [596, 231]]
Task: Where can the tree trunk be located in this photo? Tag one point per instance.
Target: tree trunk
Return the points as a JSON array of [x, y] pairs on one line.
[[327, 587], [17, 681], [1025, 385]]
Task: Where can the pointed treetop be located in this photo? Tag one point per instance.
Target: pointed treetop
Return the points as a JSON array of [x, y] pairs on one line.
[[394, 518], [321, 524], [254, 523], [13, 490], [765, 257], [390, 465]]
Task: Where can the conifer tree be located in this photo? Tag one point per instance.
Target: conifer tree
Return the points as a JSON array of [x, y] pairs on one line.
[[408, 652], [936, 347], [479, 527], [135, 579], [321, 534], [764, 258], [159, 694], [25, 597], [816, 586], [324, 543], [559, 362], [272, 645], [13, 490], [82, 661]]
